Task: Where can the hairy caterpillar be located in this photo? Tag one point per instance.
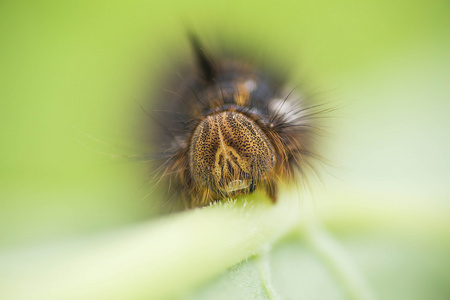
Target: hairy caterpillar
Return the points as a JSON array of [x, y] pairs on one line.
[[230, 128]]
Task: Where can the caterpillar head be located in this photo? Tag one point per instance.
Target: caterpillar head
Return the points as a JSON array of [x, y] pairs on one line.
[[229, 154]]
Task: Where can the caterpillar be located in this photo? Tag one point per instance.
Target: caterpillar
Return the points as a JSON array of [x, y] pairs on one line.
[[228, 127]]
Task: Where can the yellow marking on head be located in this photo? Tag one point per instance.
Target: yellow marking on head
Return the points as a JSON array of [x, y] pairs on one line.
[[242, 96]]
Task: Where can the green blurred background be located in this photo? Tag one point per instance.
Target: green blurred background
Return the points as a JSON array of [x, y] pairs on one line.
[[73, 70]]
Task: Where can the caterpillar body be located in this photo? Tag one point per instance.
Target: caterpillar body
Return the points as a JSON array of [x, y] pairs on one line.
[[230, 128]]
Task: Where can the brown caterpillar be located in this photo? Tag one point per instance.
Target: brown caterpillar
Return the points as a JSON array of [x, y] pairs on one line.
[[230, 128]]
